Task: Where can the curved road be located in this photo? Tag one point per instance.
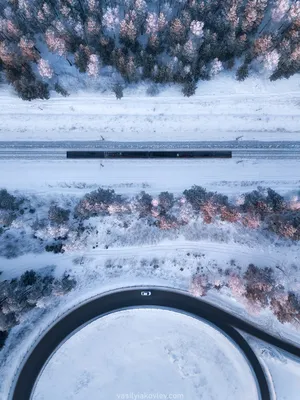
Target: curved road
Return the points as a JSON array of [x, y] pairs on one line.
[[131, 297]]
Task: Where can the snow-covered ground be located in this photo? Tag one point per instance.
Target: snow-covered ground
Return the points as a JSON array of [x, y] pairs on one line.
[[130, 176], [158, 353], [280, 368], [222, 109]]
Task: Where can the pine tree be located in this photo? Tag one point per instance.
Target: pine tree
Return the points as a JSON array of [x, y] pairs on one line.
[[242, 72], [189, 88], [118, 90]]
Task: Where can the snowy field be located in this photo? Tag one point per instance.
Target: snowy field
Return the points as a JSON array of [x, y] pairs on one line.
[[222, 109], [130, 176], [280, 368], [159, 352]]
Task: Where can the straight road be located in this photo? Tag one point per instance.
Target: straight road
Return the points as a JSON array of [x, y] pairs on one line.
[[56, 150], [31, 366]]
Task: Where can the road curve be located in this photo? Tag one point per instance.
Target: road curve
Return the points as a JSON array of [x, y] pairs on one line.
[[131, 297]]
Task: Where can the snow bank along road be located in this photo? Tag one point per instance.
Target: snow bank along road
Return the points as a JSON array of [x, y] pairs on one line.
[[32, 365], [221, 109], [56, 150]]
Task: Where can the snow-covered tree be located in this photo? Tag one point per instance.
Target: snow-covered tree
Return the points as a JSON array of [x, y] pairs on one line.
[[189, 88], [128, 30], [177, 30], [280, 9], [44, 69], [93, 27], [189, 50], [295, 55], [152, 23], [111, 19], [270, 60], [93, 65], [262, 45], [196, 28], [232, 14], [254, 13], [6, 56], [56, 44], [216, 67], [140, 8], [28, 48], [162, 22], [294, 11]]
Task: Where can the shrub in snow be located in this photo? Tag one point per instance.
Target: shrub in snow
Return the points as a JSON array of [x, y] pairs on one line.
[[153, 90], [255, 202], [31, 89], [55, 248], [165, 201], [59, 89], [286, 224], [28, 278], [259, 285], [251, 221], [237, 285], [166, 222], [8, 201], [230, 214], [275, 201], [197, 196], [286, 307], [143, 203], [189, 88], [3, 337], [58, 215], [7, 321], [242, 72], [199, 285], [118, 91], [96, 203], [209, 211], [6, 218]]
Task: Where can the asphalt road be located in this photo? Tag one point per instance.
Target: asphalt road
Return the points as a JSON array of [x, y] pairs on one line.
[[29, 371], [57, 150]]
